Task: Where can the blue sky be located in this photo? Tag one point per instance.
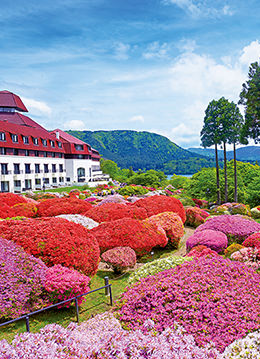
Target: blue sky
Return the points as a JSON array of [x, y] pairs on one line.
[[146, 65]]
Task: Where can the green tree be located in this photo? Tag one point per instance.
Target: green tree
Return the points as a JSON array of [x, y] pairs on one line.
[[109, 167], [250, 98]]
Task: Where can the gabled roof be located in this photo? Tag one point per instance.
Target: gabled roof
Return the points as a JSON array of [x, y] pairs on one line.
[[26, 130], [19, 119], [68, 138], [9, 99]]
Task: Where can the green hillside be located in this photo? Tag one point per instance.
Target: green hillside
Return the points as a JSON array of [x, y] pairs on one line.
[[143, 150], [247, 153]]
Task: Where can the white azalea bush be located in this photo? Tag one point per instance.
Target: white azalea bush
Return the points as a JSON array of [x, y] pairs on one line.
[[156, 266], [89, 223], [246, 348]]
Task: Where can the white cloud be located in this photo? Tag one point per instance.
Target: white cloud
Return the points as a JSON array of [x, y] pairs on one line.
[[36, 107], [250, 53], [155, 50], [137, 118], [121, 51], [74, 125]]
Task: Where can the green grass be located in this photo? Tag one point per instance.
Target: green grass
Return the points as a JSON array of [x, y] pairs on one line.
[[64, 189]]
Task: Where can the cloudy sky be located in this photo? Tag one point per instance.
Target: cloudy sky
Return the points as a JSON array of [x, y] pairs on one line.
[[146, 65]]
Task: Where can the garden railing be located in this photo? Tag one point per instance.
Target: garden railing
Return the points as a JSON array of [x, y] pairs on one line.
[[108, 291]]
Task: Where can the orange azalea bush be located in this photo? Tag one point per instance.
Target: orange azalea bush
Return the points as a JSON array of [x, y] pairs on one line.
[[55, 241], [158, 204], [128, 232], [55, 206], [172, 225], [195, 216], [113, 211]]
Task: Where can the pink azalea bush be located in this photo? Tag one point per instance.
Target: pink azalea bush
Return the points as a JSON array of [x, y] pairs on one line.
[[102, 337], [212, 298], [200, 251], [236, 228], [214, 240], [120, 258], [195, 216], [116, 198], [22, 278], [62, 283], [249, 256]]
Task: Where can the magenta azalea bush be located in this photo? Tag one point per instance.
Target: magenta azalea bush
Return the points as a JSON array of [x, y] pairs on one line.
[[103, 338], [212, 298], [236, 227], [120, 258], [214, 240], [22, 279], [62, 283]]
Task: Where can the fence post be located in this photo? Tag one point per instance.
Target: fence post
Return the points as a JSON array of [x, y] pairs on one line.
[[106, 279], [27, 324], [77, 309], [110, 293]]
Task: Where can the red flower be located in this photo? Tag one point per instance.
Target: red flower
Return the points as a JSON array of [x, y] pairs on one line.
[[55, 206]]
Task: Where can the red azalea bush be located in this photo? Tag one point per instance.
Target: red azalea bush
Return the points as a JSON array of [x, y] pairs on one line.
[[200, 202], [11, 199], [200, 251], [112, 211], [55, 206], [24, 210], [252, 241], [62, 283], [236, 227], [55, 241], [171, 224], [158, 204], [212, 239], [120, 258], [6, 211], [195, 216], [128, 232]]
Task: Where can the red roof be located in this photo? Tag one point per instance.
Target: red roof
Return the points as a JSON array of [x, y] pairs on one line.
[[65, 136], [9, 99], [19, 119]]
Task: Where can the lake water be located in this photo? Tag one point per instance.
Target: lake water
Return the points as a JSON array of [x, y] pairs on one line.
[[188, 175]]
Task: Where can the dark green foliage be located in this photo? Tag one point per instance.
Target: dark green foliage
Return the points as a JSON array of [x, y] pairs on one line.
[[247, 153]]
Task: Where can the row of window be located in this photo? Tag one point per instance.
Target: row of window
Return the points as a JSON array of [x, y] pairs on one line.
[[28, 184], [36, 141], [20, 152], [28, 168]]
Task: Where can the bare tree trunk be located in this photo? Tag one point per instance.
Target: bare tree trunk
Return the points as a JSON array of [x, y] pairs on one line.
[[235, 174], [225, 172], [217, 175]]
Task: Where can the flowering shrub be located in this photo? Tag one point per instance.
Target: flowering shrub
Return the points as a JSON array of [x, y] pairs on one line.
[[21, 280], [128, 232], [6, 211], [116, 198], [120, 258], [158, 204], [200, 251], [212, 239], [80, 219], [55, 206], [172, 225], [236, 228], [212, 298], [234, 247], [102, 337], [112, 211], [62, 283], [249, 256], [11, 199], [255, 212], [55, 241], [195, 216], [252, 241], [155, 267], [132, 190], [247, 347], [201, 202], [232, 208], [24, 210]]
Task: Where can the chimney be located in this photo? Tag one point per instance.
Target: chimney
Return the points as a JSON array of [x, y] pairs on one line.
[[57, 135]]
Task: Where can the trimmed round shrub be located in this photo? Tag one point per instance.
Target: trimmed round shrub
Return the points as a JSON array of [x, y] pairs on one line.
[[255, 212], [252, 241], [24, 210], [232, 208], [63, 283], [112, 211], [55, 206], [11, 199], [249, 256], [120, 258], [116, 198], [158, 204], [212, 298], [128, 232], [172, 225], [200, 251], [234, 247], [155, 267], [209, 238], [6, 211], [55, 241], [236, 228], [195, 216], [80, 219], [22, 279], [201, 203]]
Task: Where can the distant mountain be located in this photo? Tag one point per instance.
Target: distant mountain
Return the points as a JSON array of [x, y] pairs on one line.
[[247, 153], [143, 150]]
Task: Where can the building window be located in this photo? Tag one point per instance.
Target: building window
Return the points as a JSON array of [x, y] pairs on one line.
[[4, 186], [53, 168], [79, 147], [60, 155], [27, 168], [28, 184], [35, 141], [38, 181], [68, 179], [46, 180], [3, 151], [16, 152], [59, 144], [2, 136], [36, 153], [37, 168], [80, 157], [52, 143], [17, 184], [61, 168], [54, 180], [14, 138], [16, 168], [44, 142], [26, 140], [53, 154], [61, 179], [46, 169], [27, 153], [4, 168]]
